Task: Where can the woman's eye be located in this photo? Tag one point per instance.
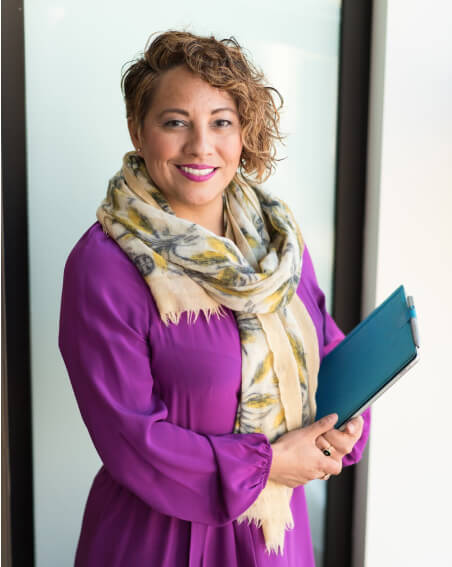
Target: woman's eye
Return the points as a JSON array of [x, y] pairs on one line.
[[174, 123], [222, 123]]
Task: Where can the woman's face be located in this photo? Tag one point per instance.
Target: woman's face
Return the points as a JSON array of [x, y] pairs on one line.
[[190, 141]]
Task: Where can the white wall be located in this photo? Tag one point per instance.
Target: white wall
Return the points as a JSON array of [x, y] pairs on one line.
[[409, 240]]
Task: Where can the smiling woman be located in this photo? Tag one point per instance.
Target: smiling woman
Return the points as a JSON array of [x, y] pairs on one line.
[[192, 327], [191, 143]]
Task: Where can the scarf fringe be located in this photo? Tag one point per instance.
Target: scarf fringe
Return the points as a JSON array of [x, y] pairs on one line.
[[271, 511], [273, 535], [192, 314]]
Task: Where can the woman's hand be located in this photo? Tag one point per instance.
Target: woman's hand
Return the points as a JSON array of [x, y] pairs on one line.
[[340, 443], [297, 459]]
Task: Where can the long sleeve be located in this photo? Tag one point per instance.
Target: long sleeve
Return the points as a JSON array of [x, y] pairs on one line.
[[103, 339], [332, 336]]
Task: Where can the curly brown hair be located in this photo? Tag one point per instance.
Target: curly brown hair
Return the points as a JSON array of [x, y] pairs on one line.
[[223, 64]]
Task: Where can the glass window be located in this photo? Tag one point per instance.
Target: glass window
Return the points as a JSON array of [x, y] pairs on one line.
[[76, 137]]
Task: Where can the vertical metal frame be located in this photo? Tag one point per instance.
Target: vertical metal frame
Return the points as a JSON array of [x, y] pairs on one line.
[[15, 296], [354, 77], [350, 200]]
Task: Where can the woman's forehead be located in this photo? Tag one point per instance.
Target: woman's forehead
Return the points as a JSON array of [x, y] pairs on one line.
[[179, 86]]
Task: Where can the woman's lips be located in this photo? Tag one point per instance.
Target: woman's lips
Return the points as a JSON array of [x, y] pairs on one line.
[[197, 172]]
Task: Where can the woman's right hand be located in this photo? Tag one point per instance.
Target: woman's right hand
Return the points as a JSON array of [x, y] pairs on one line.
[[296, 458]]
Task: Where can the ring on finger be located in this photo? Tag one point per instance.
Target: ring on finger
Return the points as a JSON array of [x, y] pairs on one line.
[[327, 451]]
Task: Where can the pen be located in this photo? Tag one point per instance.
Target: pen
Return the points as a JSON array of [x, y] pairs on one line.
[[413, 320]]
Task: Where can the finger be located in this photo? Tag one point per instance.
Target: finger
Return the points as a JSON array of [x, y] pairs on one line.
[[338, 438], [322, 442], [329, 465], [324, 445], [354, 425], [342, 441], [323, 425], [323, 475]]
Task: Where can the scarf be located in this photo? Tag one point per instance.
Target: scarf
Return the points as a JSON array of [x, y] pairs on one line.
[[253, 270]]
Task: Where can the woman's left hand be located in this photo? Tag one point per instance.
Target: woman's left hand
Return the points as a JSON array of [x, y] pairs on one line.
[[340, 443]]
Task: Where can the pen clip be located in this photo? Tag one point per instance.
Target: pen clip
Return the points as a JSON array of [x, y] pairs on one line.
[[413, 320]]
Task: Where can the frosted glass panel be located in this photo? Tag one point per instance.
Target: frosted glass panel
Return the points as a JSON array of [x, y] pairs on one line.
[[76, 137]]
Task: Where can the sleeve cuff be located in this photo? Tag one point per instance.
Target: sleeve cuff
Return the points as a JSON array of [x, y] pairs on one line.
[[264, 460]]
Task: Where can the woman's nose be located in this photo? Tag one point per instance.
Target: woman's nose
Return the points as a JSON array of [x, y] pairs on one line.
[[199, 142]]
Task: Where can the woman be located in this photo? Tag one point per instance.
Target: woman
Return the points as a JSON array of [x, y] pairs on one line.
[[192, 327]]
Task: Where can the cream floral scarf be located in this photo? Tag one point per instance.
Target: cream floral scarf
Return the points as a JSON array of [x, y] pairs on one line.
[[253, 270]]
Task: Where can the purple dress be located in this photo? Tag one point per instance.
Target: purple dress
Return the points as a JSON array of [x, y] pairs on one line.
[[159, 403]]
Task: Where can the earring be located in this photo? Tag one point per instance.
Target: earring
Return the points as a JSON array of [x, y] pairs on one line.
[[138, 150]]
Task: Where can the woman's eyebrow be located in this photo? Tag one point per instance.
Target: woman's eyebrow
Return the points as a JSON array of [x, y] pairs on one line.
[[185, 113], [174, 110], [223, 109]]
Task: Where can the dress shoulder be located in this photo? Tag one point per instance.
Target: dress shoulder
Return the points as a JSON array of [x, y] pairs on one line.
[[97, 268]]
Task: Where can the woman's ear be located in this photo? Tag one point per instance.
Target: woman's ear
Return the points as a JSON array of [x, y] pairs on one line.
[[134, 135]]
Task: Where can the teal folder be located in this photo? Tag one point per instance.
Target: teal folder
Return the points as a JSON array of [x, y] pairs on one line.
[[369, 360]]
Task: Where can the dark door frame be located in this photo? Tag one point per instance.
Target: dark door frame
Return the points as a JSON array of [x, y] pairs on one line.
[[15, 292], [354, 80], [349, 218]]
